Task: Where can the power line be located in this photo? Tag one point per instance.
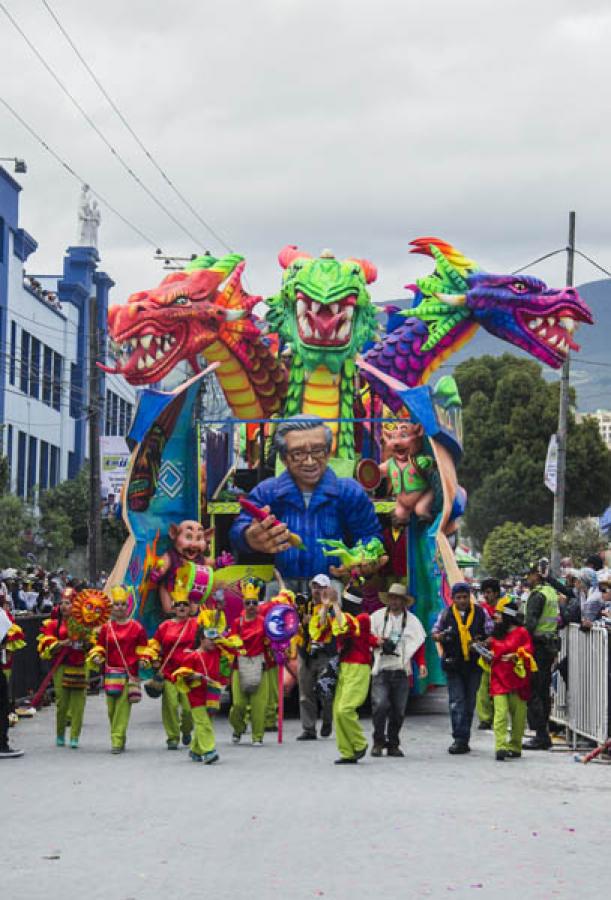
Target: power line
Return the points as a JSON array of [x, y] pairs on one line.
[[133, 133], [593, 262], [93, 125], [75, 174], [538, 260]]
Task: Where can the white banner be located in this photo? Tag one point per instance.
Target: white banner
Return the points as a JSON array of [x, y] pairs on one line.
[[114, 459], [551, 465]]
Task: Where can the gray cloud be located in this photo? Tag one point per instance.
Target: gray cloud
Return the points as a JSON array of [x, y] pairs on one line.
[[343, 125]]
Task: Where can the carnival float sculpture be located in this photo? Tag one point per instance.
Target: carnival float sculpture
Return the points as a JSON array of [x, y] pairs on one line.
[[321, 351]]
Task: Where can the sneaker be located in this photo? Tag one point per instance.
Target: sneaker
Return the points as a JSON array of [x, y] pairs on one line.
[[195, 757], [74, 743], [360, 753], [172, 745], [117, 749], [377, 750], [186, 740], [60, 740], [501, 755], [514, 754], [258, 743], [484, 726], [395, 751], [325, 731], [306, 736], [8, 752], [236, 738], [210, 757], [345, 761], [458, 747]]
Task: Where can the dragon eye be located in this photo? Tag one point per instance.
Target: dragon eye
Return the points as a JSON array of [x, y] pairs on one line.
[[180, 301], [519, 287]]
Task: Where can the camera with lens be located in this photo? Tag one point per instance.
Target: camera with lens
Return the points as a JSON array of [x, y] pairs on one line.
[[446, 636], [389, 647]]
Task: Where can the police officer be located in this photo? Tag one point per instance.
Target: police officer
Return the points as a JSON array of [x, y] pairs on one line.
[[541, 619]]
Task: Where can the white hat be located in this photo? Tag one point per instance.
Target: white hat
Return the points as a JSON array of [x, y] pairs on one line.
[[399, 590], [321, 580]]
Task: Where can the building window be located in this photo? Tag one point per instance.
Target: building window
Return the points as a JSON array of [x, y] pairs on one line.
[[21, 460], [13, 357], [129, 411], [35, 369], [75, 406], [9, 449], [54, 469], [25, 361], [57, 381], [32, 467], [108, 411], [2, 233], [47, 366], [43, 477]]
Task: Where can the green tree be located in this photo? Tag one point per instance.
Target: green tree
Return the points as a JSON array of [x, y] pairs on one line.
[[56, 533], [509, 414], [14, 520], [580, 539], [5, 475], [72, 499], [512, 547]]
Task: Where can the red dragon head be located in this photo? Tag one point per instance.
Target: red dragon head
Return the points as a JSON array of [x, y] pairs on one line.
[[179, 319]]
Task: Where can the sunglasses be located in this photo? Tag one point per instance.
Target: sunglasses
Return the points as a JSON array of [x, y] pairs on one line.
[[181, 604], [251, 603]]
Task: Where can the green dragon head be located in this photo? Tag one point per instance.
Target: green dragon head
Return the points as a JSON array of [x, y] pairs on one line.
[[323, 310]]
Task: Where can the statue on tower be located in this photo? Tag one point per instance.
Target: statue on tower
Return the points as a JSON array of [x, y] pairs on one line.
[[89, 218]]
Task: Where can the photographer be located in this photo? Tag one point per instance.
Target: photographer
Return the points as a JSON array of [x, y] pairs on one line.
[[400, 636], [456, 631], [316, 649]]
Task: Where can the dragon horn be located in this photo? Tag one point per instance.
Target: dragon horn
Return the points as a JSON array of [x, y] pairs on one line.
[[289, 254], [370, 271]]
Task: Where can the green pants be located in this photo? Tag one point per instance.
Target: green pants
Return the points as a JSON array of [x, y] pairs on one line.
[[203, 740], [119, 711], [351, 693], [483, 700], [271, 710], [69, 704], [510, 711], [175, 712], [240, 701]]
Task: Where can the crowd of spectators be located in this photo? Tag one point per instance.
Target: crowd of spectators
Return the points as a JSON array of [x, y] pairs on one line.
[[34, 590], [49, 297]]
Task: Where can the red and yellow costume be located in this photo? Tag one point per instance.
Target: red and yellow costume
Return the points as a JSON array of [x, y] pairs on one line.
[[121, 646], [510, 686], [354, 644], [14, 641], [251, 632], [69, 678], [171, 641], [202, 675]]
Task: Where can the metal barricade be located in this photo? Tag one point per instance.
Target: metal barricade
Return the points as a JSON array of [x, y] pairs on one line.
[[583, 706], [560, 708]]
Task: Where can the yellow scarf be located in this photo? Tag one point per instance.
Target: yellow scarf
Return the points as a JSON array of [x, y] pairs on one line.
[[463, 628]]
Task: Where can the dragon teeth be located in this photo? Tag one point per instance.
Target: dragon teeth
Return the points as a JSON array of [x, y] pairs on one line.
[[159, 354], [134, 342], [149, 361], [145, 340], [568, 323], [534, 323], [334, 308], [314, 306], [301, 308], [543, 332], [344, 331], [349, 311], [141, 364], [305, 328], [551, 320], [553, 340]]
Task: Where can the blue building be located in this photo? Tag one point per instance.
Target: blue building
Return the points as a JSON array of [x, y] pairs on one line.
[[45, 324]]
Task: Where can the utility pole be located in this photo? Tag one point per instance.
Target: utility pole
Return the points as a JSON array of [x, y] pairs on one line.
[[563, 411], [95, 537]]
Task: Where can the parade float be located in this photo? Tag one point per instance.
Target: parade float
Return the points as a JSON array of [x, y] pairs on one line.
[[320, 350]]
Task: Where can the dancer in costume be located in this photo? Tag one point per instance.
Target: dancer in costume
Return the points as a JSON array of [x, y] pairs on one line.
[[249, 683], [202, 675], [70, 676], [354, 643], [491, 589], [510, 675], [121, 645], [11, 639], [314, 657], [170, 642]]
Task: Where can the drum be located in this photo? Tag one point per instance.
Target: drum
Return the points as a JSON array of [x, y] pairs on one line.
[[197, 580]]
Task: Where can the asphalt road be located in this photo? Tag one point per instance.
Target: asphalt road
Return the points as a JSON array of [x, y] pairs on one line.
[[284, 822]]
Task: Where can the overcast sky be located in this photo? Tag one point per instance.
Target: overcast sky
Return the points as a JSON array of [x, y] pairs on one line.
[[349, 125]]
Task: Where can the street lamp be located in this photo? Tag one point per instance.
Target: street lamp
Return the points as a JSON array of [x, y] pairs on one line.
[[20, 166]]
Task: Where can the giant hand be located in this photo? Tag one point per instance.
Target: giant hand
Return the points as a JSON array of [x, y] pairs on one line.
[[267, 536]]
